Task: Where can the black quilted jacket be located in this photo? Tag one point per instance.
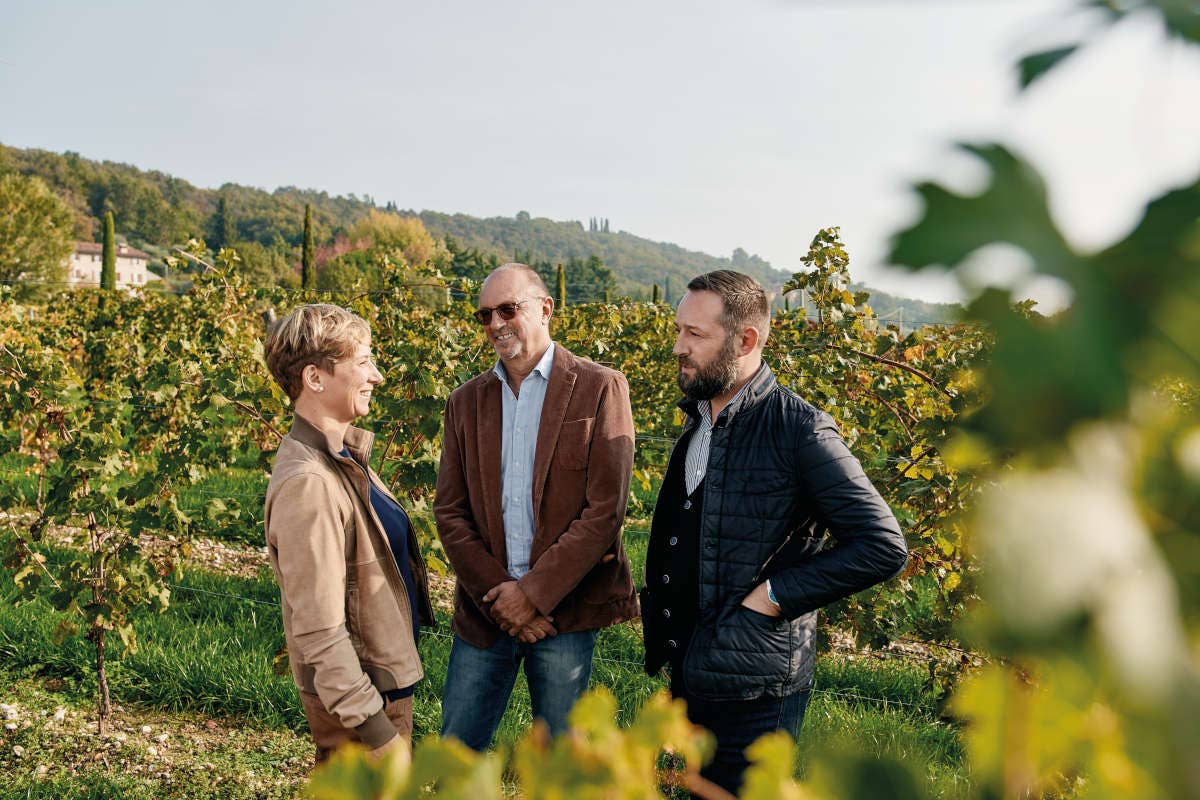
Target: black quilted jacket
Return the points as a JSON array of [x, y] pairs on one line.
[[779, 481]]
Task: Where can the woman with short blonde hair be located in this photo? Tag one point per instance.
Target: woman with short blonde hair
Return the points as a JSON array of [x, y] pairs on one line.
[[352, 582]]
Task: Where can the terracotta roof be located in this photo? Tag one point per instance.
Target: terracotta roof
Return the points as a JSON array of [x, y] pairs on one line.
[[123, 250]]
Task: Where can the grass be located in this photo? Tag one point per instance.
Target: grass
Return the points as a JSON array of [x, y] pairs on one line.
[[20, 482], [929, 750], [53, 751], [211, 654]]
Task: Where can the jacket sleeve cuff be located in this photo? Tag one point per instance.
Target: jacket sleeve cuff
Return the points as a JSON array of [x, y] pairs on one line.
[[376, 730], [542, 600]]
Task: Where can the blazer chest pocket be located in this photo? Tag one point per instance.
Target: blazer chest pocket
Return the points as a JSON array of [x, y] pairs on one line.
[[574, 441]]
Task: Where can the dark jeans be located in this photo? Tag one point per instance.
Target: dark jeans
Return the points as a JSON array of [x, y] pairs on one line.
[[479, 682], [737, 724]]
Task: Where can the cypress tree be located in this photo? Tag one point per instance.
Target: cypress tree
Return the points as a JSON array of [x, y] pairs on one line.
[[222, 227], [562, 287], [606, 297], [108, 261], [308, 272], [655, 300]]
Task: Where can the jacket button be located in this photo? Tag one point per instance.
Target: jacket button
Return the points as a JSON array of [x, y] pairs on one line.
[[687, 504], [673, 644], [667, 613], [674, 540], [666, 578]]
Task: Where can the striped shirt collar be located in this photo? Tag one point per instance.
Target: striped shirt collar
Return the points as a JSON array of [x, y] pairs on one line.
[[705, 406]]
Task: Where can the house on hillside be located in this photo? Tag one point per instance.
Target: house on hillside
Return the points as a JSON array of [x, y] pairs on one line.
[[83, 266]]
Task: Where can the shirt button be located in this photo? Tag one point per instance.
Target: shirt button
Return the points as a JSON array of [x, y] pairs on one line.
[[667, 613], [674, 540], [666, 578]]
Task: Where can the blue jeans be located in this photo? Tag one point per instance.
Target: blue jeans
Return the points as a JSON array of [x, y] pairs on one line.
[[737, 724], [479, 682]]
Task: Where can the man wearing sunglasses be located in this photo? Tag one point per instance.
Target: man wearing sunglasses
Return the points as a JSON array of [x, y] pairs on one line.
[[531, 494]]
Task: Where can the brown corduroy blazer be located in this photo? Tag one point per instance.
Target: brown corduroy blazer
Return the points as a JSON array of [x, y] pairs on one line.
[[581, 475]]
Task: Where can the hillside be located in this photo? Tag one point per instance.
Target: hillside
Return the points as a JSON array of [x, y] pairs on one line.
[[155, 211], [637, 263]]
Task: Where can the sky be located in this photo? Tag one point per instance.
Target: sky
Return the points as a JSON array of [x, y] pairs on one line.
[[713, 124]]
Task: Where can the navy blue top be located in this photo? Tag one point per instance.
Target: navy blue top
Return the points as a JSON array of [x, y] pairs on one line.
[[396, 525]]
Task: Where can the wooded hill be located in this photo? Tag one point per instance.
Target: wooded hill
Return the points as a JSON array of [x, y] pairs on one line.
[[637, 263], [155, 211]]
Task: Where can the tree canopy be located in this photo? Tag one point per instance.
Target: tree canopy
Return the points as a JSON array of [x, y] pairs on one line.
[[406, 236], [36, 231]]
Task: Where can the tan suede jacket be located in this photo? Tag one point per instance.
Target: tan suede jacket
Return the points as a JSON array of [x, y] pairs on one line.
[[346, 614]]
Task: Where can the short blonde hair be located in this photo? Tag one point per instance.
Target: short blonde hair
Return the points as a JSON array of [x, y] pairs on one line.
[[319, 334]]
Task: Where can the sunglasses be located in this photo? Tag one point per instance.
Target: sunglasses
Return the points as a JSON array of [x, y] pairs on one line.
[[506, 311]]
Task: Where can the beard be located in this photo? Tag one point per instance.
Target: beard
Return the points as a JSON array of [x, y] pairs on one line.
[[711, 379]]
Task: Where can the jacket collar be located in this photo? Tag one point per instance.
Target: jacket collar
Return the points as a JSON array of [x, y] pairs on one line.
[[357, 440], [761, 383], [542, 368], [561, 360], [559, 388]]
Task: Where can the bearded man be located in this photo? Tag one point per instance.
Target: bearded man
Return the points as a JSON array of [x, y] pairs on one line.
[[764, 516]]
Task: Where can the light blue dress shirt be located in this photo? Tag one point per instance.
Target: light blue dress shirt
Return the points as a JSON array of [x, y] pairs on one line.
[[518, 446]]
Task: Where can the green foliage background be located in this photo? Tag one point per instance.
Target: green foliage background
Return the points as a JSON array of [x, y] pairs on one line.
[[127, 402], [1047, 470], [35, 233], [1086, 536]]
